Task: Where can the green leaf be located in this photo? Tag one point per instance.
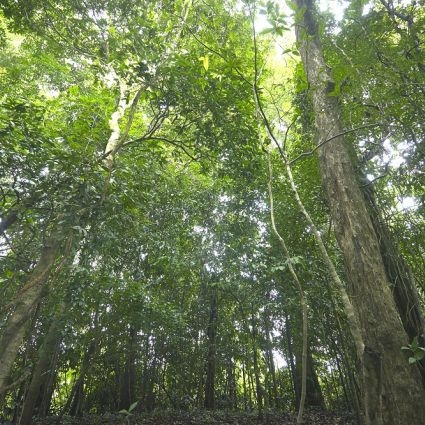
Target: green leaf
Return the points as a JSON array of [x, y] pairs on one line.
[[205, 62], [415, 343], [278, 268], [267, 30], [412, 360], [419, 355], [297, 259], [132, 406]]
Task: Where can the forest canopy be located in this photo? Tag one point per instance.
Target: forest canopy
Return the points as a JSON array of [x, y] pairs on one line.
[[212, 207]]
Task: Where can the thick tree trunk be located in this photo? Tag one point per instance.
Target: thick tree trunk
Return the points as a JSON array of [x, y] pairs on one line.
[[29, 296], [314, 396], [400, 277], [41, 371], [392, 388], [211, 356]]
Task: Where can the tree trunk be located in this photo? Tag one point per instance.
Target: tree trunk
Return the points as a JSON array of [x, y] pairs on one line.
[[314, 396], [393, 391], [258, 386], [128, 379], [75, 399], [245, 393], [401, 280], [250, 389], [29, 296], [211, 360], [341, 348], [46, 396], [41, 371], [231, 385], [295, 383], [270, 361], [341, 377]]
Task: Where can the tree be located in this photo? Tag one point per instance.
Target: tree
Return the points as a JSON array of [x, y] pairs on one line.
[[388, 379], [150, 262]]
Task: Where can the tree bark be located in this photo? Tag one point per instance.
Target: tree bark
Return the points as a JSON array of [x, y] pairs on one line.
[[46, 396], [245, 392], [295, 383], [314, 396], [14, 330], [75, 399], [231, 395], [32, 292], [393, 391], [128, 378], [211, 356], [258, 386], [270, 361], [41, 371], [401, 279]]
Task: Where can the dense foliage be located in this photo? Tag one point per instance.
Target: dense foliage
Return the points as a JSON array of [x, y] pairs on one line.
[[162, 281]]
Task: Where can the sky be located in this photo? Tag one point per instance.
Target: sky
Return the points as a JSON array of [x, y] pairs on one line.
[[336, 7]]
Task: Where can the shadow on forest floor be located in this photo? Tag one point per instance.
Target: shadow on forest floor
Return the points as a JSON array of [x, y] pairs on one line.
[[205, 418]]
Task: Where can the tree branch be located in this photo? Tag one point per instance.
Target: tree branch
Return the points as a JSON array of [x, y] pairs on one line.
[[177, 143], [350, 130]]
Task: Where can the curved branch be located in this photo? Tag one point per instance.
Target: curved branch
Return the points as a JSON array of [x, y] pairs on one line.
[[350, 130], [177, 143]]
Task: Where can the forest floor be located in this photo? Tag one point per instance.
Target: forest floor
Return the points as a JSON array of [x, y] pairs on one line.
[[205, 418]]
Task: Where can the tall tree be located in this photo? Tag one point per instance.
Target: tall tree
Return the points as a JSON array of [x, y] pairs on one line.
[[392, 388]]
